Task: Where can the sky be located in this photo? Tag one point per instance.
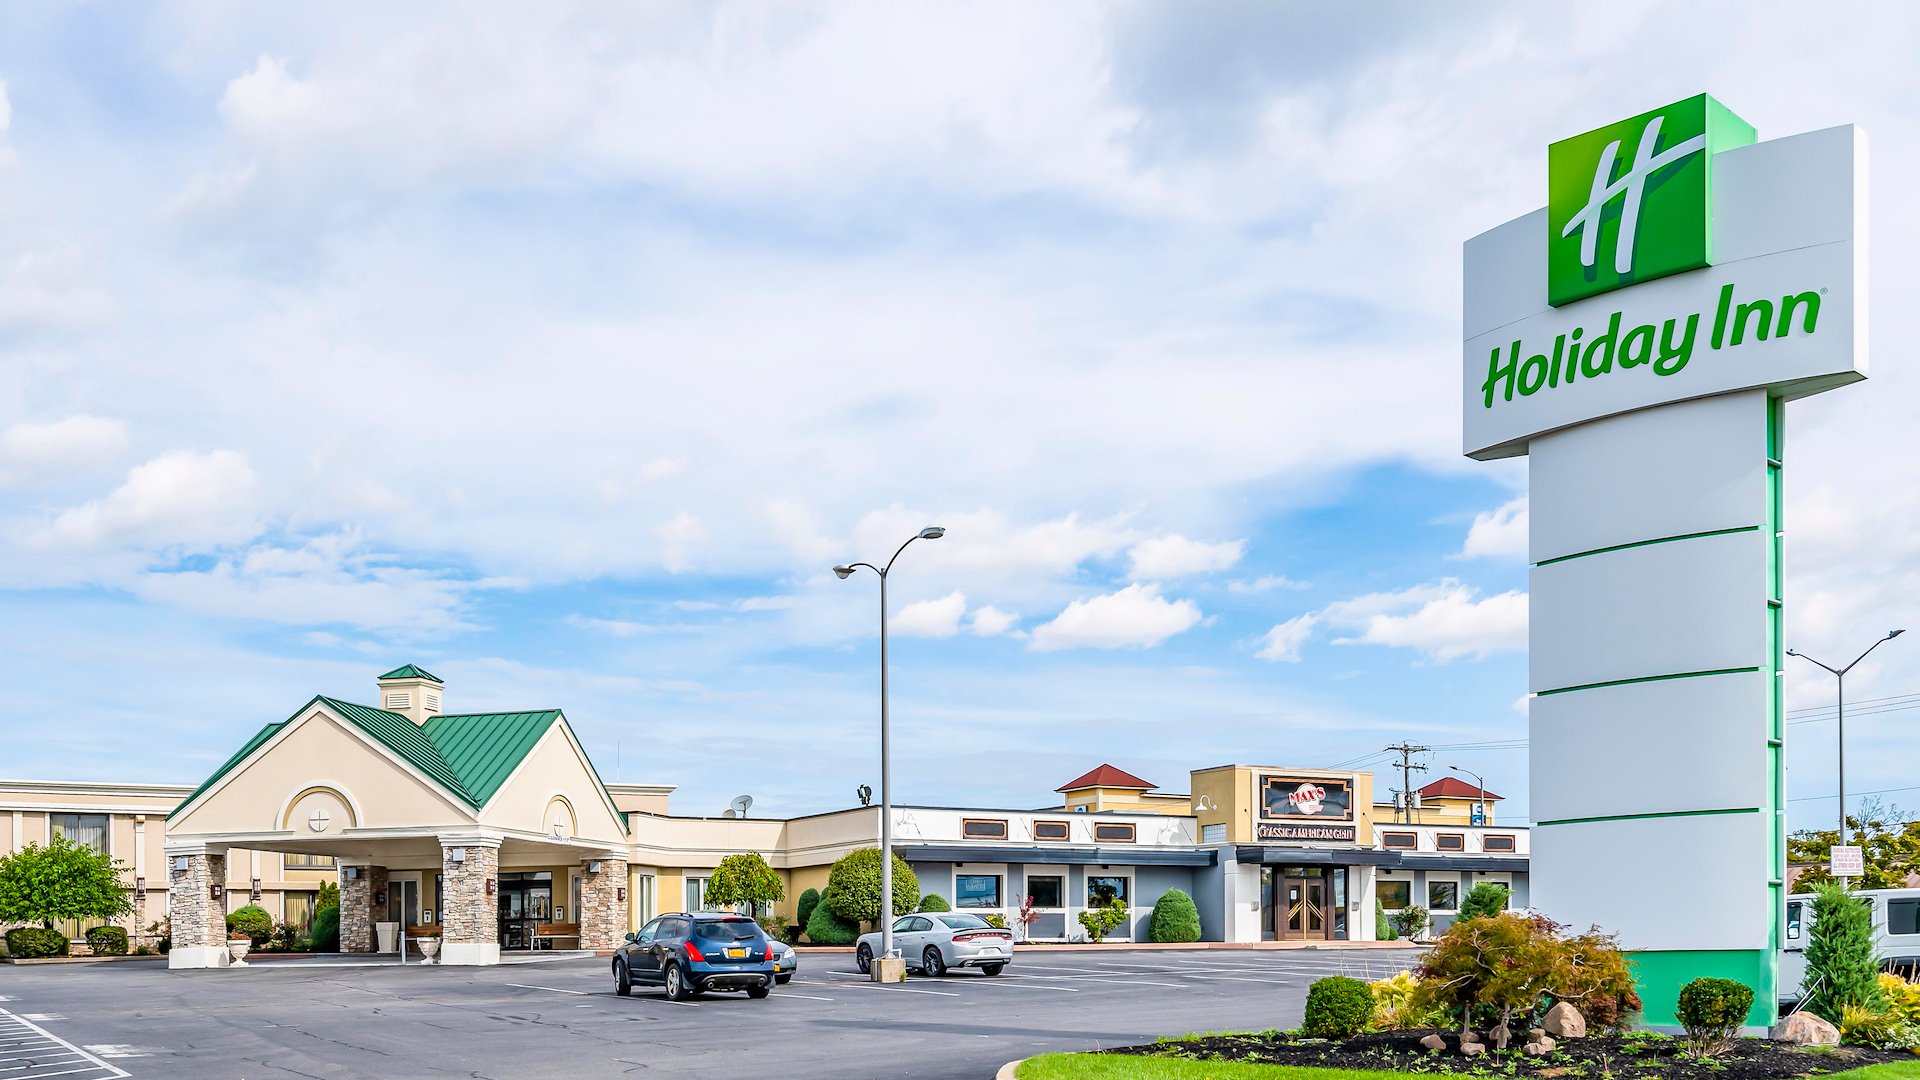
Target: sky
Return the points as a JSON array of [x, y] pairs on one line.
[[563, 350]]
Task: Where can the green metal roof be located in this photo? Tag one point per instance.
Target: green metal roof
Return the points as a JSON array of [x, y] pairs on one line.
[[408, 671], [468, 754]]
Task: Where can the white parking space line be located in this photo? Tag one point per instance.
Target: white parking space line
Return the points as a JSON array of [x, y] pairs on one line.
[[1236, 978], [26, 1040], [550, 989], [1034, 986], [888, 988], [803, 997]]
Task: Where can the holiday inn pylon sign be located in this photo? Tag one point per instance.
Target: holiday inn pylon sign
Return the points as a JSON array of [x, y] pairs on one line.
[[1637, 340], [1645, 282]]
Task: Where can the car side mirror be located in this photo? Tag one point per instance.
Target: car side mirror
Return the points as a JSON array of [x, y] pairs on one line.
[[632, 938]]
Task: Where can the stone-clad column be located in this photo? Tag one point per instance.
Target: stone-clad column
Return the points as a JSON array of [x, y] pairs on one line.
[[360, 893], [199, 910], [603, 904], [469, 911]]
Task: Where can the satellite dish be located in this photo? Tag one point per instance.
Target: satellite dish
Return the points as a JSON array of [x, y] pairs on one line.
[[865, 793], [728, 812], [738, 807]]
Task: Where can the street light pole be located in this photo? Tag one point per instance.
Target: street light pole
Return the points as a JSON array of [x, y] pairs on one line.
[[844, 571], [1479, 782], [1840, 689]]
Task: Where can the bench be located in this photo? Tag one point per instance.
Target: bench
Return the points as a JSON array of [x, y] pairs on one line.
[[549, 932]]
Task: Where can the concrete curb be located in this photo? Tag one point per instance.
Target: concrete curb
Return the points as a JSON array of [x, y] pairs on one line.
[[1009, 1071]]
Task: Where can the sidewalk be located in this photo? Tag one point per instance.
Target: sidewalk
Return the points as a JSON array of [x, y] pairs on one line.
[[1161, 946]]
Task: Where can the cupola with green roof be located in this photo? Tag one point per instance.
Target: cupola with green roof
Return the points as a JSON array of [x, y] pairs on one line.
[[413, 692]]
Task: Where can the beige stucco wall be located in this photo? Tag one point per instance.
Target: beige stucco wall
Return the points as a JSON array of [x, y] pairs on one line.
[[320, 749], [554, 767], [1228, 791]]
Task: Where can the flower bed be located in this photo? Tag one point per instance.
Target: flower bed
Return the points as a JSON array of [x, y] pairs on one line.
[[1634, 1056]]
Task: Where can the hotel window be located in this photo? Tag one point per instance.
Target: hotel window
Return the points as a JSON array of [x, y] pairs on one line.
[[301, 859], [1450, 841], [1443, 895], [1050, 830], [1114, 832], [1496, 843], [976, 890], [1047, 890], [643, 886], [1403, 841], [82, 830], [299, 909], [697, 895], [983, 829], [1103, 891], [1394, 895]]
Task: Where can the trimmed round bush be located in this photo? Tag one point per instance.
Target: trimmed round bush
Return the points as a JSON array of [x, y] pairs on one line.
[[853, 887], [1338, 1008], [252, 921], [326, 930], [107, 941], [826, 928], [933, 901], [1486, 898], [1174, 918], [1712, 1011], [33, 942], [803, 907]]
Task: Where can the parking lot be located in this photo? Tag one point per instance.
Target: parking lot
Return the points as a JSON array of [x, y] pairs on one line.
[[562, 1019]]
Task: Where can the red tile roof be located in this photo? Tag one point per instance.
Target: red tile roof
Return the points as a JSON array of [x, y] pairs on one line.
[[1452, 787], [1107, 776]]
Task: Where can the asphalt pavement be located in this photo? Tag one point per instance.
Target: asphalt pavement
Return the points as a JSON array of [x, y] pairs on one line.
[[562, 1019]]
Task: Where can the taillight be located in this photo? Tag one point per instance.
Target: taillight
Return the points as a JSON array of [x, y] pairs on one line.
[[770, 954], [693, 953], [966, 937]]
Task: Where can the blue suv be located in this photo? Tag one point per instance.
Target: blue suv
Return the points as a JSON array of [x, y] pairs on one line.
[[691, 954]]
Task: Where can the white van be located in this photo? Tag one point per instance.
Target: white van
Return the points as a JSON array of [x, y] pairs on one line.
[[1896, 933]]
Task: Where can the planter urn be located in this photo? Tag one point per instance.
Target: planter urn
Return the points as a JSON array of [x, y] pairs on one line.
[[238, 948], [430, 948]]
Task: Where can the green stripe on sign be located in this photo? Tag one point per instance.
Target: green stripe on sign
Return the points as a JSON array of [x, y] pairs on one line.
[[1640, 817], [1646, 679], [1647, 543], [1660, 975]]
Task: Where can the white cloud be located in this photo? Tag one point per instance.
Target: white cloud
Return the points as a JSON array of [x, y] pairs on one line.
[[931, 618], [1164, 557], [680, 540], [1136, 617], [1264, 583], [180, 498], [990, 621], [1283, 642], [6, 108], [77, 442], [1498, 533]]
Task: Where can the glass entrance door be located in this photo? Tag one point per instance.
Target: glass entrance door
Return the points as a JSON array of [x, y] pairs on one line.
[[1304, 913], [526, 901], [403, 902]]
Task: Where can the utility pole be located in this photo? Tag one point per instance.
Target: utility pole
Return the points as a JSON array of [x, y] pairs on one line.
[[1407, 769]]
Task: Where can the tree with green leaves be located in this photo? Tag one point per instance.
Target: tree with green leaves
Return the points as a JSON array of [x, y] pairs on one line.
[[1843, 967], [62, 880], [744, 879], [1486, 898], [1889, 840], [853, 886]]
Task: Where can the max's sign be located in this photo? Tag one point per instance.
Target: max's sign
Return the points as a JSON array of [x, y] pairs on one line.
[[1301, 798]]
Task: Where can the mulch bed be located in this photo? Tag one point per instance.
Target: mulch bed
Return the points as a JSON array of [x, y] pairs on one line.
[[1624, 1057]]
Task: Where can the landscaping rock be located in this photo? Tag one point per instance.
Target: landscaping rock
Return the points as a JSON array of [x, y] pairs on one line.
[[1805, 1029], [1536, 1047], [1535, 1034], [1472, 1049], [1434, 1042], [1565, 1022], [1470, 1036]]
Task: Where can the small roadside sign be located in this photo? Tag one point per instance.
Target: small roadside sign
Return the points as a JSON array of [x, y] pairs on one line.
[[1845, 861]]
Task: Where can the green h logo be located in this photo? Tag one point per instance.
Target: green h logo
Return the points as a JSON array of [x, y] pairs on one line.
[[1633, 201]]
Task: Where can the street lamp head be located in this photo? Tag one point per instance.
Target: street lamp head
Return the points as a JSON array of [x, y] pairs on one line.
[[1790, 652], [843, 572], [1891, 634], [932, 532]]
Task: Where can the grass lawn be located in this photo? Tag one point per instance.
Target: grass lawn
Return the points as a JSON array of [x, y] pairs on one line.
[[1105, 1067]]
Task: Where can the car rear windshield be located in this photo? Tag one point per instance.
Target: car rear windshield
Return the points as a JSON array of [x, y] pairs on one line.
[[965, 922], [726, 930]]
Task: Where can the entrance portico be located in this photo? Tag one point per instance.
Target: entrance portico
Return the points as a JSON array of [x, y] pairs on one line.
[[424, 814]]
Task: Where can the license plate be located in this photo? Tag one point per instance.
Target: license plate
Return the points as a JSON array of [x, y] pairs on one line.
[[736, 954]]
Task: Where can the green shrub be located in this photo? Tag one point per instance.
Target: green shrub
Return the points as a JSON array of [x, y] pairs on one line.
[[745, 878], [252, 921], [1712, 1011], [328, 895], [826, 928], [995, 920], [1843, 967], [853, 887], [1382, 925], [326, 929], [1409, 921], [1101, 921], [1486, 898], [803, 907], [62, 880], [1396, 1006], [933, 901], [1338, 1008], [1502, 970], [1174, 918], [1882, 1030], [107, 941], [32, 942]]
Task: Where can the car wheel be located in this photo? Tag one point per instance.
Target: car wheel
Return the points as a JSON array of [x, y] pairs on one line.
[[992, 969], [622, 981], [931, 962], [676, 983], [758, 992], [863, 958], [783, 979]]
